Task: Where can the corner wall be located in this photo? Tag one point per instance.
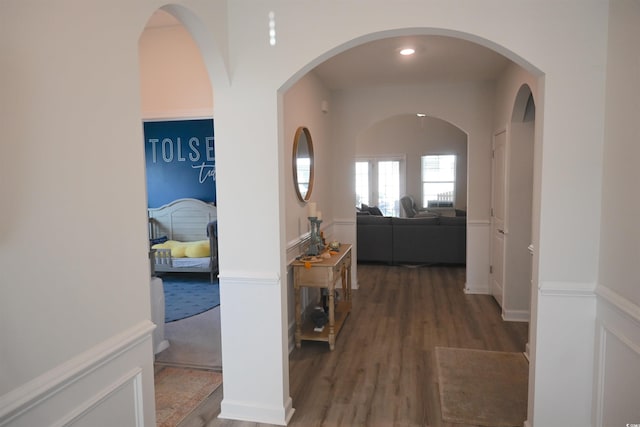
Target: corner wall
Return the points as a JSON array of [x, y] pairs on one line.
[[617, 361]]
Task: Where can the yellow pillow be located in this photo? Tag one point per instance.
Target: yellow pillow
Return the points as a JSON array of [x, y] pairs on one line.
[[178, 251], [166, 245], [198, 249]]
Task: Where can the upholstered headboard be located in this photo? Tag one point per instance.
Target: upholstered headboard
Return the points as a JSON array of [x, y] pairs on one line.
[[183, 219]]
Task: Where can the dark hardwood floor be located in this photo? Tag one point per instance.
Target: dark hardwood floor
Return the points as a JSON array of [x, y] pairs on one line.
[[382, 372]]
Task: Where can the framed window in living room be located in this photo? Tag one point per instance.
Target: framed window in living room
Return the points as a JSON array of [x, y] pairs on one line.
[[438, 180], [379, 182], [362, 183]]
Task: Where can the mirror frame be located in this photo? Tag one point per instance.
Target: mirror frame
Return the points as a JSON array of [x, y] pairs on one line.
[[296, 140]]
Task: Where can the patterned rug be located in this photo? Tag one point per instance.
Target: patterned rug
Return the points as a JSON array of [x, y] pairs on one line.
[[179, 391], [188, 294], [483, 388]]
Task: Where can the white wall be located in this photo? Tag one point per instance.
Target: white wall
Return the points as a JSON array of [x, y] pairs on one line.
[[72, 66], [463, 105], [617, 382], [75, 311], [412, 137], [173, 77], [302, 106]]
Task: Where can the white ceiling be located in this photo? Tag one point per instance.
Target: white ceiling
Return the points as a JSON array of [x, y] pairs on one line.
[[437, 59], [378, 63]]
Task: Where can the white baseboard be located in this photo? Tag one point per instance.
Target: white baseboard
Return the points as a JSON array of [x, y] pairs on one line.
[[245, 411], [477, 289], [516, 315]]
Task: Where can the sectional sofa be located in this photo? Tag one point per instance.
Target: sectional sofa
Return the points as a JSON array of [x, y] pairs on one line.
[[424, 240]]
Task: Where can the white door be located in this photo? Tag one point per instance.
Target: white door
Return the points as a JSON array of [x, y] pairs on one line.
[[498, 216]]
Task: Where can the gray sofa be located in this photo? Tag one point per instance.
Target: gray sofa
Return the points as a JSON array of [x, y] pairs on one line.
[[418, 240]]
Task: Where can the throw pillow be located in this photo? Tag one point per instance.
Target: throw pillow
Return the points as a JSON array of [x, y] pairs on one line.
[[374, 210]]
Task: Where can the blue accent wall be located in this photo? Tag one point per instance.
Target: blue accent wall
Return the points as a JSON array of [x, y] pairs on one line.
[[180, 160]]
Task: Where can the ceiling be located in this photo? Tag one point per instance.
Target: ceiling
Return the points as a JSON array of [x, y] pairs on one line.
[[437, 59], [378, 63]]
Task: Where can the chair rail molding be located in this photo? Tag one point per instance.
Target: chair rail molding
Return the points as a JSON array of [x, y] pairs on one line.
[[88, 378]]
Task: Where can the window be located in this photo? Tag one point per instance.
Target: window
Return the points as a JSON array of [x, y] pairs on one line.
[[378, 183], [438, 180], [389, 187], [362, 183]]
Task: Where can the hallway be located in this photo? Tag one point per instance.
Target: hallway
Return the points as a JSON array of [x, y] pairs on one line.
[[382, 372]]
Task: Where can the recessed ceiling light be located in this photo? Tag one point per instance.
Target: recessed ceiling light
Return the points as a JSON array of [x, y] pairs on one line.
[[407, 51], [421, 115]]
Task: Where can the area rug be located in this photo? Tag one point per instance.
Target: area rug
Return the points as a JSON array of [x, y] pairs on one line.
[[188, 294], [194, 342], [486, 388], [179, 391]]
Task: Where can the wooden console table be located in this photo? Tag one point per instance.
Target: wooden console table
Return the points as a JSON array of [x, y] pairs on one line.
[[324, 275]]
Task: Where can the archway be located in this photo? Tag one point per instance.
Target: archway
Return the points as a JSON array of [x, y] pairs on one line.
[[356, 116], [177, 115]]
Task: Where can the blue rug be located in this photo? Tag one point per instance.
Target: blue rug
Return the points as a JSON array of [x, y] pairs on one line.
[[188, 294]]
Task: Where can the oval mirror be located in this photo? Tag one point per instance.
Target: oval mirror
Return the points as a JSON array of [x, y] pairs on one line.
[[303, 163]]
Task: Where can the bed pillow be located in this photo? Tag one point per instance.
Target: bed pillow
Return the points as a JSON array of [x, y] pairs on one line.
[[198, 249], [166, 245], [178, 251]]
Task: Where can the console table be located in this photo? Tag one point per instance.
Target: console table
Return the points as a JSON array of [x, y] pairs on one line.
[[324, 275]]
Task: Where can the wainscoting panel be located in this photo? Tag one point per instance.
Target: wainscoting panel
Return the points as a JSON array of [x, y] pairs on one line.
[[562, 354], [110, 384], [254, 389], [617, 382]]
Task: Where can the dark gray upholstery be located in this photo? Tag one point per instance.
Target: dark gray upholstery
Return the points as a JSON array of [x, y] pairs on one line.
[[374, 238], [440, 240], [411, 210], [433, 240]]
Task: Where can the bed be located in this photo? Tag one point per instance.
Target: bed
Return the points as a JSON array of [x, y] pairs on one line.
[[183, 220]]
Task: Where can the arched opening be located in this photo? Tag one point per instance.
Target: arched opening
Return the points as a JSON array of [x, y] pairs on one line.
[[177, 116], [414, 136], [358, 101]]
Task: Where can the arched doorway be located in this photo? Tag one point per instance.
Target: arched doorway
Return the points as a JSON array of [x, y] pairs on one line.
[[177, 115], [360, 106]]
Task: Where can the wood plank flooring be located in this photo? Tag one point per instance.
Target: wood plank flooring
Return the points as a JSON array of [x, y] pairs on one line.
[[382, 372]]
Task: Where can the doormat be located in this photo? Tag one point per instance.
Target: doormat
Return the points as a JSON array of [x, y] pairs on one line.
[[487, 388]]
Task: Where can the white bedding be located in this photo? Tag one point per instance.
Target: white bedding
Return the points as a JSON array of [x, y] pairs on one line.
[[191, 262]]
